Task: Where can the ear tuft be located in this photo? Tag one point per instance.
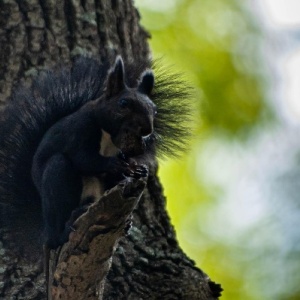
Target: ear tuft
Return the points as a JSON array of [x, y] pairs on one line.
[[146, 83], [115, 78]]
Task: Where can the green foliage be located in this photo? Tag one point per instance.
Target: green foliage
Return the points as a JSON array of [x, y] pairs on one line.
[[217, 45]]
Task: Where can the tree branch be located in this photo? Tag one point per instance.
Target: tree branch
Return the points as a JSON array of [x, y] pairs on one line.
[[83, 262]]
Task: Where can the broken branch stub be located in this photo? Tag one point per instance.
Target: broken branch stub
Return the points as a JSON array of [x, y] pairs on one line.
[[79, 268]]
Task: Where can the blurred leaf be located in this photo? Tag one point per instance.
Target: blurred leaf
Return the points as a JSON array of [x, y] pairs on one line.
[[217, 45]]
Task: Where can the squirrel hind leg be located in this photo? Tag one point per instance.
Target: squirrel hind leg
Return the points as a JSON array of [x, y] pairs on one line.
[[60, 190]]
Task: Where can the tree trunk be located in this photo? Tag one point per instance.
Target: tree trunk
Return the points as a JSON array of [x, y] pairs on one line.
[[147, 262]]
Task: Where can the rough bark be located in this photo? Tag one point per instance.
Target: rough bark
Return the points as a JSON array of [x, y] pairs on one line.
[[147, 263]]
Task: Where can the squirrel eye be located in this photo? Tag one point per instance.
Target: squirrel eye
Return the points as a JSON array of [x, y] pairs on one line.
[[123, 103]]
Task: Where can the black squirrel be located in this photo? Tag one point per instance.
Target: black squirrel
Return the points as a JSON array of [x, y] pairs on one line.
[[73, 124]]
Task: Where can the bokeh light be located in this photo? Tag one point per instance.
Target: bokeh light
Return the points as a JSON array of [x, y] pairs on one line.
[[233, 198]]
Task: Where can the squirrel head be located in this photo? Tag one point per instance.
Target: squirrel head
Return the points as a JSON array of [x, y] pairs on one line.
[[127, 114]]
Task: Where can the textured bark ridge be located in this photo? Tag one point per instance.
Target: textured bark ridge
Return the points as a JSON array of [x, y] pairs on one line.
[[147, 263], [36, 34]]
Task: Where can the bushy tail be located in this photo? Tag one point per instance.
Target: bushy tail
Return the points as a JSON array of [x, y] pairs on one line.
[[28, 115], [173, 97]]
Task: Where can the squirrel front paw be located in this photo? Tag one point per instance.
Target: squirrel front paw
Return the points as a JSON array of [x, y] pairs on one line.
[[118, 165], [139, 171], [122, 167]]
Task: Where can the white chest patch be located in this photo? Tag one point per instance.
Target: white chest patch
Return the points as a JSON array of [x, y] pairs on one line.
[[92, 188], [107, 147]]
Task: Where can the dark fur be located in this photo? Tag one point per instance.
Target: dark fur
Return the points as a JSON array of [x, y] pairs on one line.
[[53, 129]]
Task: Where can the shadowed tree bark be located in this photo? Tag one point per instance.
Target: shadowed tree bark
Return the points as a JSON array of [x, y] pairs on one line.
[[147, 263]]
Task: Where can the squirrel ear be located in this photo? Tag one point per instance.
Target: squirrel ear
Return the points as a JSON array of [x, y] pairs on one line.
[[115, 79], [146, 83]]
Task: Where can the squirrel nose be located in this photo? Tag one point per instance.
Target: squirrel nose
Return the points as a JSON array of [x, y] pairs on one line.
[[146, 129], [146, 132]]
